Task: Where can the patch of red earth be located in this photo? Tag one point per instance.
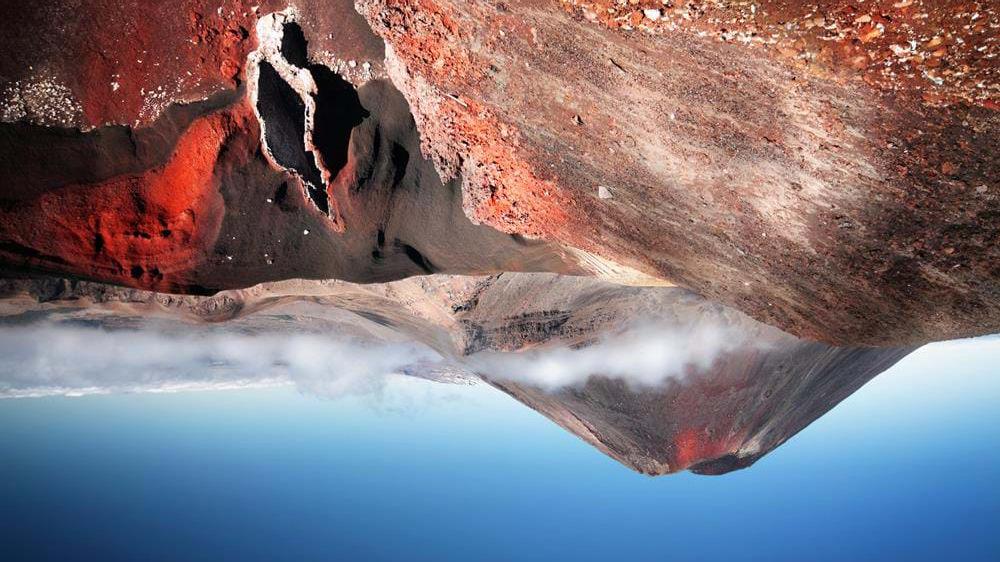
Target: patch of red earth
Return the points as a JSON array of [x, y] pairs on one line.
[[194, 52], [429, 34], [149, 230], [695, 445], [943, 51], [466, 137], [123, 61], [516, 200]]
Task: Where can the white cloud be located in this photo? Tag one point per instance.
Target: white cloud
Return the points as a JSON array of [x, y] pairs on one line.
[[646, 355], [45, 360], [57, 359]]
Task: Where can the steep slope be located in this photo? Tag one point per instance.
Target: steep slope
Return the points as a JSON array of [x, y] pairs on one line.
[[758, 388], [791, 188], [726, 418]]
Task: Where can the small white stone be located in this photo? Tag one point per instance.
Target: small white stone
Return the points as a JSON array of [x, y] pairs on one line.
[[305, 232], [604, 192], [652, 14]]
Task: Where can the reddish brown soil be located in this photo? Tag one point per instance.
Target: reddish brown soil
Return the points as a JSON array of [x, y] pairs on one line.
[[835, 208], [125, 61], [143, 230], [945, 51]]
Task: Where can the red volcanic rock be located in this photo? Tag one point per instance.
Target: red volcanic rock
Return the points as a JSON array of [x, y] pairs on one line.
[[835, 178], [944, 50], [118, 61], [192, 197], [150, 228]]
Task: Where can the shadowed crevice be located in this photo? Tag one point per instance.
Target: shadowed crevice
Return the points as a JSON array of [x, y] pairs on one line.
[[283, 114], [724, 464], [416, 257], [338, 108], [294, 45], [338, 112]]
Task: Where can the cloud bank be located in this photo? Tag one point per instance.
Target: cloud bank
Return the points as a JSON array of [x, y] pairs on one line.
[[47, 359], [644, 356]]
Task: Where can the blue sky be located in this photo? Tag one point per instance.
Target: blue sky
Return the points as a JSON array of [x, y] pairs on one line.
[[906, 469]]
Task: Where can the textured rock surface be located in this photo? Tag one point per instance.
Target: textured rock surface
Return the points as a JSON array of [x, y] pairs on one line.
[[835, 178], [812, 201], [943, 50], [750, 399], [195, 202]]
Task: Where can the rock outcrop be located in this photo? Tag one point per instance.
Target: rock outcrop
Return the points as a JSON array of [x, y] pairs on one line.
[[802, 194], [830, 170]]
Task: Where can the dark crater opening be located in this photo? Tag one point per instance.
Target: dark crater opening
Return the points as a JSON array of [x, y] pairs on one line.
[[284, 114], [338, 112], [338, 108], [293, 45]]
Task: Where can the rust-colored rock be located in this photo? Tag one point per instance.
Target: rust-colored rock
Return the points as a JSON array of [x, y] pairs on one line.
[[194, 201], [831, 171], [811, 200]]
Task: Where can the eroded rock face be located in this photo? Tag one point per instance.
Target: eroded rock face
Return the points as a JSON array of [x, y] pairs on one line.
[[178, 147], [296, 173], [808, 199], [754, 392]]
